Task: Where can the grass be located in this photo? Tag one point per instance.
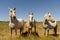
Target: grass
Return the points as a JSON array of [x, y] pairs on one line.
[[5, 33]]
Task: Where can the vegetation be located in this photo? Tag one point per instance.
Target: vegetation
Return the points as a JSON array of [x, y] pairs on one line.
[[5, 33]]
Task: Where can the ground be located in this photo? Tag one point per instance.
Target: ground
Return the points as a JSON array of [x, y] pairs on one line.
[[5, 33]]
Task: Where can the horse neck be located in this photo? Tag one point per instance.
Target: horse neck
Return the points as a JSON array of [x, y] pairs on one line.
[[46, 21], [12, 20], [30, 19]]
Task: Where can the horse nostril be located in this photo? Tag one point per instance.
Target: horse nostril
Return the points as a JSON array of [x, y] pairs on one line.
[[14, 17], [11, 11], [49, 16]]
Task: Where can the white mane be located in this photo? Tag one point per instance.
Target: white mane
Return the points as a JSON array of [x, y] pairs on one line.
[[30, 16], [13, 20], [48, 17], [20, 19]]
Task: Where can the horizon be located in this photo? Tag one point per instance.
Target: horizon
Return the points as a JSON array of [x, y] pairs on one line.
[[23, 7]]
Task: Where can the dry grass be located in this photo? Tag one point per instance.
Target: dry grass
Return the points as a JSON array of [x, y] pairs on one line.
[[5, 33]]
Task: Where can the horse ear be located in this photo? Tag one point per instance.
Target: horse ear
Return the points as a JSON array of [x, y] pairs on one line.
[[14, 8], [9, 9], [30, 13]]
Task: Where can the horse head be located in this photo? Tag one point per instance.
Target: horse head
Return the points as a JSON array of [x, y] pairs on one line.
[[48, 19], [12, 13], [30, 16], [47, 16]]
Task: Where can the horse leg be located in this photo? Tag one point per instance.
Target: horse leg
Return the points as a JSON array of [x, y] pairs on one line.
[[29, 31], [20, 31], [44, 31], [34, 26], [55, 30], [15, 31], [11, 31], [48, 31]]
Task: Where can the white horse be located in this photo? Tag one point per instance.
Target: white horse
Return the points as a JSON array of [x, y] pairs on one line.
[[15, 23], [49, 23], [30, 23]]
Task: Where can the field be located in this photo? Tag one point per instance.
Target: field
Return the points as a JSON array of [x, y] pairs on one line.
[[5, 33]]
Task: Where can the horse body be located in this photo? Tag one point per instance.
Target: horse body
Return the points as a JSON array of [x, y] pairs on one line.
[[49, 23], [20, 23], [15, 23], [52, 23], [30, 24]]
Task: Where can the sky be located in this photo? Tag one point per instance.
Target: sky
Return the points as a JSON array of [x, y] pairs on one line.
[[23, 7]]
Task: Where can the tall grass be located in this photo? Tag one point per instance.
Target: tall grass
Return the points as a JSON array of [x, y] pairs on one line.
[[5, 33]]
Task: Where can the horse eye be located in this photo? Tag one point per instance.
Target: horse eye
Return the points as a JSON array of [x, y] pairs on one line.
[[49, 16], [10, 11], [14, 12]]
